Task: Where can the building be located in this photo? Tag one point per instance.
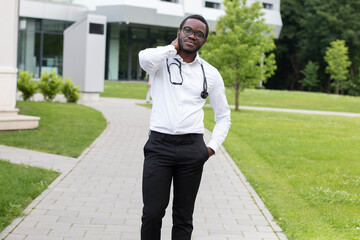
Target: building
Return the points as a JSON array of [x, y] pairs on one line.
[[131, 26]]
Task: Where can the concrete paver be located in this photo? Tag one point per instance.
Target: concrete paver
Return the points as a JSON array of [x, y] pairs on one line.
[[37, 159], [99, 195]]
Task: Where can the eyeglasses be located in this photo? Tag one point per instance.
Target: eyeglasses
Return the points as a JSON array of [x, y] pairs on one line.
[[199, 35]]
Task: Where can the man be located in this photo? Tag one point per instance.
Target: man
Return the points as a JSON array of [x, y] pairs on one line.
[[176, 151]]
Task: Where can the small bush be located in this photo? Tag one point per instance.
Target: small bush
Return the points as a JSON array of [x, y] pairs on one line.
[[310, 79], [50, 85], [70, 91], [26, 85]]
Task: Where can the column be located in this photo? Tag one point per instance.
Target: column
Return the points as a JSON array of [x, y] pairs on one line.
[[9, 119]]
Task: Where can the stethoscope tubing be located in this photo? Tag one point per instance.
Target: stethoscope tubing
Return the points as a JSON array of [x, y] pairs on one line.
[[204, 93]]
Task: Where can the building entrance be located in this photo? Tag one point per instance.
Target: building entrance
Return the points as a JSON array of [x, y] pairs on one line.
[[135, 71], [125, 41]]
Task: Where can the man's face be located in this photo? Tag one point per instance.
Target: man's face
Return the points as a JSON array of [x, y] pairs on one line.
[[191, 43]]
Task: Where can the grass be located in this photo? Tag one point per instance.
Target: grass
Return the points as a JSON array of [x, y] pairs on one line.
[[296, 100], [305, 168], [254, 97], [118, 89], [64, 129], [19, 186]]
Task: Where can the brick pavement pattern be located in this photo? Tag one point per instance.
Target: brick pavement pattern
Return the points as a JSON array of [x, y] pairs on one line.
[[99, 197]]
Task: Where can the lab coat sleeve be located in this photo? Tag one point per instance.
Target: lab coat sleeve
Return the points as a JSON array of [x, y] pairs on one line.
[[151, 59]]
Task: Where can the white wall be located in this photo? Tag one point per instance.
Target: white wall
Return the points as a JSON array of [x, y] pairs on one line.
[[149, 12], [84, 54], [74, 52], [54, 11]]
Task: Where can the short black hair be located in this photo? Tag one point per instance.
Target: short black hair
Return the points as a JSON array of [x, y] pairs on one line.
[[198, 17]]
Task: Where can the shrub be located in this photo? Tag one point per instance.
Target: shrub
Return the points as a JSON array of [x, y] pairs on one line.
[[26, 85], [310, 79], [50, 85], [70, 91]]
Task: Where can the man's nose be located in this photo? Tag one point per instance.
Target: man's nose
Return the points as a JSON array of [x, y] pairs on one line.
[[192, 35]]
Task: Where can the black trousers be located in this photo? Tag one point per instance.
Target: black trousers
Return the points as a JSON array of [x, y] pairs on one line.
[[177, 158]]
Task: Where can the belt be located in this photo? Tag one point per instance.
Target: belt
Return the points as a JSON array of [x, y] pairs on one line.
[[175, 137]]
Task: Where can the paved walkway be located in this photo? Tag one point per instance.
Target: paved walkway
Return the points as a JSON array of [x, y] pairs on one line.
[[344, 114], [98, 195]]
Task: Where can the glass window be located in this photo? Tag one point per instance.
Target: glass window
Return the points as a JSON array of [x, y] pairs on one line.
[[112, 51], [136, 71], [128, 41], [268, 5], [158, 37], [215, 5], [139, 33], [38, 24], [52, 53], [124, 52], [173, 1], [41, 45]]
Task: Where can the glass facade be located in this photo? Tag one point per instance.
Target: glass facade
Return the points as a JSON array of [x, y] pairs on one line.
[[123, 44], [41, 45]]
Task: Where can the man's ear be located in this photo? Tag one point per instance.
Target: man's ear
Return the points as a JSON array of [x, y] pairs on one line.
[[178, 33]]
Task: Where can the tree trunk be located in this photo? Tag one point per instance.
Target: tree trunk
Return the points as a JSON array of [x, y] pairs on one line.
[[337, 87], [327, 84], [261, 69], [237, 95], [296, 71]]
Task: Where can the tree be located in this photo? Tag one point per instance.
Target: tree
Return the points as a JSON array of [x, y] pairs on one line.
[[310, 75], [325, 21], [308, 28], [338, 62], [287, 75], [241, 46], [353, 85]]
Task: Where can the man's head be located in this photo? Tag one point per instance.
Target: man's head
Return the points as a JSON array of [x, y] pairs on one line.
[[192, 34]]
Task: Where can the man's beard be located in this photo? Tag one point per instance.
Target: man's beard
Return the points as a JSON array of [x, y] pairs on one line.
[[180, 41]]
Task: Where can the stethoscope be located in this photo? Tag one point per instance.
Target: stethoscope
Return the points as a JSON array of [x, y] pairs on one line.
[[204, 94]]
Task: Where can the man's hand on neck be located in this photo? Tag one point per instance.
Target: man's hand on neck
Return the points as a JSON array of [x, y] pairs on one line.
[[187, 57], [176, 44]]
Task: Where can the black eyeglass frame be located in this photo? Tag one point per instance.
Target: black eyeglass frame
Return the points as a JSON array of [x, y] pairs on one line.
[[196, 33]]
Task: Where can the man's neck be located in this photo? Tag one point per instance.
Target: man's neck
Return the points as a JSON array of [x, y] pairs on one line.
[[187, 57]]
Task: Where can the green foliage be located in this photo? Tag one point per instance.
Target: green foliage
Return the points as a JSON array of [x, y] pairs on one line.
[[50, 85], [338, 62], [70, 91], [26, 85], [310, 79], [354, 85], [241, 47], [19, 186], [308, 28]]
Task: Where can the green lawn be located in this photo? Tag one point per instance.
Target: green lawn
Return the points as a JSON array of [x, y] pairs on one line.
[[19, 186], [254, 97], [64, 129], [305, 168], [119, 89], [295, 100]]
